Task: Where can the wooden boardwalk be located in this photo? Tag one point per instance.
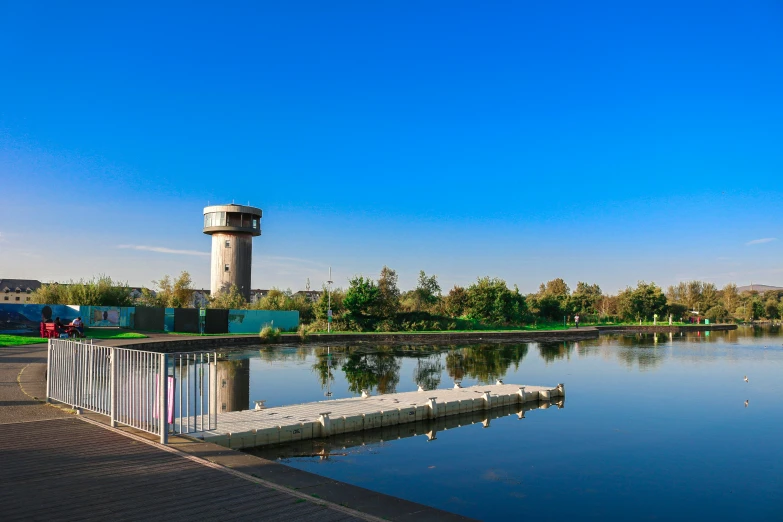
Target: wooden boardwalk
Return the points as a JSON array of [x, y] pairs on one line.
[[254, 428], [68, 469]]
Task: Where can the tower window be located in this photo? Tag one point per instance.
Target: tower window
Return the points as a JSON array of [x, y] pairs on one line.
[[228, 243], [225, 268]]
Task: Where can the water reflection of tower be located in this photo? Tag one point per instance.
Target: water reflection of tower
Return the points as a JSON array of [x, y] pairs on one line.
[[233, 385]]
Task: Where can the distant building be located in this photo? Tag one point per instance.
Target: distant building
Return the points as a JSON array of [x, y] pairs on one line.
[[17, 291], [312, 295], [257, 294], [200, 298]]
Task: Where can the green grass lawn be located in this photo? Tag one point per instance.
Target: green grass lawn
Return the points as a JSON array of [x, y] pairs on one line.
[[90, 333], [111, 333], [19, 340]]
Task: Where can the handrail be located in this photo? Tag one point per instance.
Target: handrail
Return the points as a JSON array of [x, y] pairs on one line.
[[133, 387]]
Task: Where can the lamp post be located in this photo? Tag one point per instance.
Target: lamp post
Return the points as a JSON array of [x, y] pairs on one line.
[[329, 298]]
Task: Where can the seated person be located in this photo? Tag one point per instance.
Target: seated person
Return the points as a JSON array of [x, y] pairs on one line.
[[78, 325], [59, 327]]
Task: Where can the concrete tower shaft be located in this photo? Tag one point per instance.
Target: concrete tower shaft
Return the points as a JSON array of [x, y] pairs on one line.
[[232, 228]]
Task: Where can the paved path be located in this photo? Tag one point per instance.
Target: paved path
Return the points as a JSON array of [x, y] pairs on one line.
[[68, 469], [15, 405]]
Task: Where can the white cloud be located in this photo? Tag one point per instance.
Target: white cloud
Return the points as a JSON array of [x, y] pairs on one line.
[[762, 240], [164, 250]]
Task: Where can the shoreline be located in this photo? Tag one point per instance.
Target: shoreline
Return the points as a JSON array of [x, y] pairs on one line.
[[169, 343]]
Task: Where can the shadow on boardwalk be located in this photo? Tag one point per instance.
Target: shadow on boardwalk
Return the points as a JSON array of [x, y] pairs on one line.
[[67, 469]]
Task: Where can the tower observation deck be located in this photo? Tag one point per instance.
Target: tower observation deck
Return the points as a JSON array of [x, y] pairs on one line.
[[232, 228]]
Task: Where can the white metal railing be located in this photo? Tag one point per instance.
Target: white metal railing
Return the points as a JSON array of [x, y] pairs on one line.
[[195, 386], [133, 387]]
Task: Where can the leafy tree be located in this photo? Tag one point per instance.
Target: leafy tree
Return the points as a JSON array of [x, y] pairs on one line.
[[362, 299], [388, 293], [321, 307], [490, 301], [425, 296], [275, 299], [642, 302], [771, 308], [730, 297], [231, 299], [717, 314], [170, 293], [548, 307], [677, 310], [456, 301], [304, 306], [585, 299], [556, 287]]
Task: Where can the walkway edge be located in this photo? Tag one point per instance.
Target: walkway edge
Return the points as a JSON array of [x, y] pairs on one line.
[[229, 453], [265, 483]]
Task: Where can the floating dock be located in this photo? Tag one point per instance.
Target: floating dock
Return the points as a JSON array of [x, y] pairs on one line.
[[340, 445], [253, 428]]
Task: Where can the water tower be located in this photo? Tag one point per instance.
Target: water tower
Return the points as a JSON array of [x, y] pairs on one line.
[[232, 228]]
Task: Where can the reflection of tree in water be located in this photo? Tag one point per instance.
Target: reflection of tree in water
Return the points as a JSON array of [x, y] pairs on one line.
[[326, 361], [377, 370], [645, 357], [553, 351], [428, 372], [277, 354], [485, 363]]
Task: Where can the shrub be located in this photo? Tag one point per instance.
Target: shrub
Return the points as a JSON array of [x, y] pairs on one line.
[[303, 332], [269, 334]]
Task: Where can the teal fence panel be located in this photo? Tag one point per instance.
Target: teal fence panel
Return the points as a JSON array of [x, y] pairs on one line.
[[112, 316], [251, 321], [168, 320], [127, 314], [101, 315]]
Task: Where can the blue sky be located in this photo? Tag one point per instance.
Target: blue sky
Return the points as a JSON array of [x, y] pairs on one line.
[[598, 141]]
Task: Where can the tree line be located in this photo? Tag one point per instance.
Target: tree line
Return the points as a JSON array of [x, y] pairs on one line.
[[369, 304]]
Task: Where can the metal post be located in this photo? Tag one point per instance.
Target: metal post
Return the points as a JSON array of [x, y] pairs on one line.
[[329, 296], [113, 386], [48, 367], [74, 376], [163, 400]]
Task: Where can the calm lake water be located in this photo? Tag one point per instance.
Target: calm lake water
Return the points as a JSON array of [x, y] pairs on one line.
[[653, 427]]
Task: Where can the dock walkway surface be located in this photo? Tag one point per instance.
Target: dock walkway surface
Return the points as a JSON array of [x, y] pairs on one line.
[[59, 466], [283, 424]]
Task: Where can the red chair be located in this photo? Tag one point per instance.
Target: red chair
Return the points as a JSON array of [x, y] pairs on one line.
[[49, 331]]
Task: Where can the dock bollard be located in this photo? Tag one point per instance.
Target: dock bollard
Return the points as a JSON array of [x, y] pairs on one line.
[[521, 394], [457, 385], [420, 389], [433, 407], [487, 400], [499, 382], [365, 394], [326, 424], [561, 389]]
